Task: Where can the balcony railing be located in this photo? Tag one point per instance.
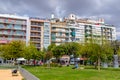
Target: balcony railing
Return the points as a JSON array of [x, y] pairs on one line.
[[13, 22]]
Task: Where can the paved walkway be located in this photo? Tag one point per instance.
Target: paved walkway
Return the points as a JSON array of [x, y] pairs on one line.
[[5, 74]]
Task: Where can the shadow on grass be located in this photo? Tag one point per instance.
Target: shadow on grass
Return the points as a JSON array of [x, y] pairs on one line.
[[111, 69], [70, 67]]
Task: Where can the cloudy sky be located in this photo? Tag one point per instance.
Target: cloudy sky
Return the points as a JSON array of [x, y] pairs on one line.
[[107, 9]]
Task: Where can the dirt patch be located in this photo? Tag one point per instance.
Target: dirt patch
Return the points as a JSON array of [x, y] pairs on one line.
[[5, 74]]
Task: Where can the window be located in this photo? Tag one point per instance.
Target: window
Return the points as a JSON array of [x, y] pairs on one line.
[[9, 26], [1, 26], [17, 27]]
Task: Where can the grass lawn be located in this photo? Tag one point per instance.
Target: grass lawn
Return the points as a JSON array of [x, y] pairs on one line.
[[67, 73]]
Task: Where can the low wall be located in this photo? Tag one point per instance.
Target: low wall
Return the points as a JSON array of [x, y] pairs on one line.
[[27, 75], [8, 66]]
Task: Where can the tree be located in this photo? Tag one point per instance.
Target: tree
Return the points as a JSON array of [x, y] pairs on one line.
[[48, 52], [116, 49], [14, 49], [115, 45], [58, 51], [31, 52], [50, 47], [98, 52], [72, 48], [5, 52]]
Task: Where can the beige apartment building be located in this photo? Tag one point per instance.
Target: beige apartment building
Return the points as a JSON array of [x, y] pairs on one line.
[[40, 33]]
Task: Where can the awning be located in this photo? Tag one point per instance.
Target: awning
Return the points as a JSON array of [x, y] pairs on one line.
[[21, 59]]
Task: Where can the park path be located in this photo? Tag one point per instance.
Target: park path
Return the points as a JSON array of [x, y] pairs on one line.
[[5, 74]]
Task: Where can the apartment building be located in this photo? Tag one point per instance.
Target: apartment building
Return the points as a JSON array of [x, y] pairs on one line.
[[43, 32], [65, 30], [58, 32], [13, 27], [73, 29], [40, 33], [98, 30]]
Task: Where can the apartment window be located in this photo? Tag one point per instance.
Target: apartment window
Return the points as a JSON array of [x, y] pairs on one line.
[[46, 26], [5, 32], [40, 24], [1, 26], [60, 33], [20, 32], [6, 20], [24, 22], [1, 20], [32, 23], [46, 35], [53, 28], [17, 27], [37, 45], [46, 38], [46, 32], [9, 26]]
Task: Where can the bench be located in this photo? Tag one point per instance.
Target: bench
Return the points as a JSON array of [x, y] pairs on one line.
[[15, 72]]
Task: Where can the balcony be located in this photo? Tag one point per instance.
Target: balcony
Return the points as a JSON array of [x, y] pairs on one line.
[[88, 28], [34, 25], [58, 41], [35, 36], [61, 36], [15, 34], [11, 34], [33, 39], [36, 42], [13, 22], [12, 28], [67, 31], [35, 31]]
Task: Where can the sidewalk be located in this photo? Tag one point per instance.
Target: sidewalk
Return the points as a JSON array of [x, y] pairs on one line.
[[5, 74]]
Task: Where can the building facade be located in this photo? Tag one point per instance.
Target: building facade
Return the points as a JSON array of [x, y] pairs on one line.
[[58, 32], [98, 30], [43, 32], [73, 29], [13, 27], [40, 33]]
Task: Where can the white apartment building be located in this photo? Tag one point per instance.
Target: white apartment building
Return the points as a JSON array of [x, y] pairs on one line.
[[14, 27], [82, 30]]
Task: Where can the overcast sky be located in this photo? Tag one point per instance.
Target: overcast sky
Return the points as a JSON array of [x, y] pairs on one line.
[[107, 9]]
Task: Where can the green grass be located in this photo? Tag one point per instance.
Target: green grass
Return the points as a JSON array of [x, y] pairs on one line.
[[67, 73]]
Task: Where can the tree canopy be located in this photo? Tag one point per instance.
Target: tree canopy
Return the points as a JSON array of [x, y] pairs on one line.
[[14, 49]]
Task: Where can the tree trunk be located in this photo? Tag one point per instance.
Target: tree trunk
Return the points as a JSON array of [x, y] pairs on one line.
[[48, 64], [95, 64], [34, 62], [98, 63], [28, 61]]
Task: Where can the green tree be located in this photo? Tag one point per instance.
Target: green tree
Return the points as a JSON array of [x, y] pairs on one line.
[[50, 47], [98, 52], [48, 52], [31, 52], [115, 45], [58, 51], [72, 48], [14, 49], [5, 52]]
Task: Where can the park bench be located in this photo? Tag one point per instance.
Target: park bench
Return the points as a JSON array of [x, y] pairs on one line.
[[15, 72]]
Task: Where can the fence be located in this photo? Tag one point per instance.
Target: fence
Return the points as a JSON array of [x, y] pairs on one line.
[[27, 75]]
